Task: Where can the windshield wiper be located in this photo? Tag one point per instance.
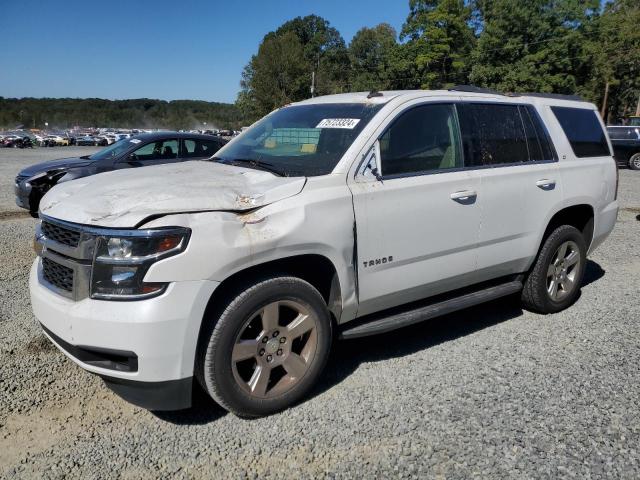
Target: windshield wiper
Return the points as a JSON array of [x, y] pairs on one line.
[[258, 164]]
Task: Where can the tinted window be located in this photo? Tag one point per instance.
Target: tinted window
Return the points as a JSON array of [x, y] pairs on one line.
[[583, 130], [624, 133], [492, 134], [537, 138], [421, 139], [198, 148]]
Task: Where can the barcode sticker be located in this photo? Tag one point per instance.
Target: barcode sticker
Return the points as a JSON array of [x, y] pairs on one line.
[[349, 123]]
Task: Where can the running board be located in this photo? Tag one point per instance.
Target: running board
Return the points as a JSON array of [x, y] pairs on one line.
[[398, 320]]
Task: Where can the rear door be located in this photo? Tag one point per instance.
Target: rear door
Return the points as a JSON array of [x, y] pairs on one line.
[[519, 182], [417, 218]]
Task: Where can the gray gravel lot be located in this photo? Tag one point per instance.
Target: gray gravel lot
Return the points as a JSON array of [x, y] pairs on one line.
[[490, 392]]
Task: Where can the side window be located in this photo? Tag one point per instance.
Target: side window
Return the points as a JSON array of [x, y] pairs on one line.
[[160, 150], [422, 139], [583, 130], [492, 134], [537, 138], [198, 148]]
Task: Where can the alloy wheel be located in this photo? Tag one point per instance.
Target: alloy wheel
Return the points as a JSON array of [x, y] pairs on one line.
[[562, 271], [274, 349]]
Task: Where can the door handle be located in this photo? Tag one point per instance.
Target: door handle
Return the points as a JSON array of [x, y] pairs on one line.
[[463, 195], [546, 184]]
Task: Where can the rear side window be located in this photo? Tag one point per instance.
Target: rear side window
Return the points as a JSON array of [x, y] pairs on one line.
[[492, 134], [537, 139], [199, 148], [583, 130]]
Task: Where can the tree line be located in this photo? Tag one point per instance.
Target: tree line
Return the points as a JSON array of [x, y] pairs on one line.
[[552, 46], [137, 113]]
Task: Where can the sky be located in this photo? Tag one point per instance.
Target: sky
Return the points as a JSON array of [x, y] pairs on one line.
[[163, 49]]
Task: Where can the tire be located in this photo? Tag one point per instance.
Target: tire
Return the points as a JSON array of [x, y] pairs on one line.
[[634, 162], [552, 265], [282, 364]]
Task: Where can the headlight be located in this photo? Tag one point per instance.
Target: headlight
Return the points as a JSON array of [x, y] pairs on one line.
[[122, 260]]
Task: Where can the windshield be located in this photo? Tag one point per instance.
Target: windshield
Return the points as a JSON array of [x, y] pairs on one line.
[[302, 140], [115, 149]]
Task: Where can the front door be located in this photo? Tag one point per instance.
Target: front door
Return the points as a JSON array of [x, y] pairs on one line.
[[417, 219], [154, 153]]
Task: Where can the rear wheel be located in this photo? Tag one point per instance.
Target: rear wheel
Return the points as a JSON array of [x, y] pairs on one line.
[[634, 162], [554, 281], [266, 350]]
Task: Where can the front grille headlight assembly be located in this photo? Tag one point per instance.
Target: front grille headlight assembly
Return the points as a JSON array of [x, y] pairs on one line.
[[122, 260]]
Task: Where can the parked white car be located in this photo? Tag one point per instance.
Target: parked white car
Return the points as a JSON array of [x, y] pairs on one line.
[[351, 214]]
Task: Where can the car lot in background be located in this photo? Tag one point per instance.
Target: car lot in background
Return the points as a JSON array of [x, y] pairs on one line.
[[626, 145], [88, 141], [148, 149], [56, 140]]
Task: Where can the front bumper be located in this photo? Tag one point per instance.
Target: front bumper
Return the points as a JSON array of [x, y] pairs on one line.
[[161, 333], [22, 193], [604, 222]]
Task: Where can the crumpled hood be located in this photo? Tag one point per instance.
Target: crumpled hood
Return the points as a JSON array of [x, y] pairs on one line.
[[71, 162], [124, 198]]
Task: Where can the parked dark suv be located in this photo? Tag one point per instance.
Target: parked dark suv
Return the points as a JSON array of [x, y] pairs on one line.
[[142, 150], [625, 141]]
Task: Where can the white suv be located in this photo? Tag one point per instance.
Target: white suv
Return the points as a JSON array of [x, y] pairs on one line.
[[339, 216]]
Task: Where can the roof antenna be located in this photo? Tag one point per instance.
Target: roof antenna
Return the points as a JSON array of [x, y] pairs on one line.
[[374, 93]]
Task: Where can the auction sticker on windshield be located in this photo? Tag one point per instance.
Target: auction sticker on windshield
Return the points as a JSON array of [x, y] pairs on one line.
[[349, 123], [134, 140]]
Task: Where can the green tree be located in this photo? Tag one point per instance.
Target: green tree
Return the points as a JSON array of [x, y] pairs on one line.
[[135, 113], [612, 69], [302, 49], [439, 39], [276, 75], [534, 46], [324, 50], [370, 54]]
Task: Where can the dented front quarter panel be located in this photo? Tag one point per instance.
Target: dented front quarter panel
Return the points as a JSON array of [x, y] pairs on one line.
[[318, 221]]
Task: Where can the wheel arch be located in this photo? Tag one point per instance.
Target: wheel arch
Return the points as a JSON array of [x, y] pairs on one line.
[[580, 216], [316, 269]]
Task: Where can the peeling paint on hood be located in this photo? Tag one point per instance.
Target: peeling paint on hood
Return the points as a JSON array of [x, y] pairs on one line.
[[124, 198]]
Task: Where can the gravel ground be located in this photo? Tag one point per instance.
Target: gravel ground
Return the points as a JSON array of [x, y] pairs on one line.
[[490, 392]]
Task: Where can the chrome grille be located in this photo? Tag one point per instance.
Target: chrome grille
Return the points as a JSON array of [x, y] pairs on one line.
[[60, 234], [57, 275]]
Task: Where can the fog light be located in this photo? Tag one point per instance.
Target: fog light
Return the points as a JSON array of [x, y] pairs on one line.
[[122, 274]]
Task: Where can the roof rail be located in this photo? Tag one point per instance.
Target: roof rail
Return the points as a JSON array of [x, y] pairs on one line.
[[557, 96], [473, 89]]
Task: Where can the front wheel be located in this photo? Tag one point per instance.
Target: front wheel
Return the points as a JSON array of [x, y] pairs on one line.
[[554, 281], [268, 347], [634, 162]]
